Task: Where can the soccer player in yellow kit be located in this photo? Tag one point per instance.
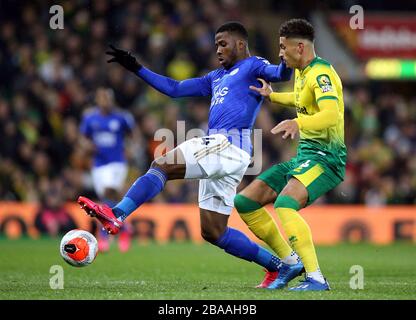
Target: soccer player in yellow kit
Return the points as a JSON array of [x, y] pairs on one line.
[[318, 167]]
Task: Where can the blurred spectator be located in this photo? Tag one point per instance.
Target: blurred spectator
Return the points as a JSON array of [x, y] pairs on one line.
[[52, 219]]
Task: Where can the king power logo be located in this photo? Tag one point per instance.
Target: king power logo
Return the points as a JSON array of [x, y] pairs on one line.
[[219, 95]]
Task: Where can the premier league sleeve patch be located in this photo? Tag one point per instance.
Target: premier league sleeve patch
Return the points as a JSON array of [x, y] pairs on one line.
[[324, 83]]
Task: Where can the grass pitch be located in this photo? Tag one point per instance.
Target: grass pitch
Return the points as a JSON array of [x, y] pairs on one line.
[[187, 271]]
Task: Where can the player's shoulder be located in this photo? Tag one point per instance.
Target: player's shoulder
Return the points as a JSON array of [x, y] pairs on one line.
[[321, 68], [255, 63], [122, 113], [319, 61], [212, 75], [259, 60], [320, 65]]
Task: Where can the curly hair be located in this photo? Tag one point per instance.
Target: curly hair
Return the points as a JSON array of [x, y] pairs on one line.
[[297, 28], [234, 27]]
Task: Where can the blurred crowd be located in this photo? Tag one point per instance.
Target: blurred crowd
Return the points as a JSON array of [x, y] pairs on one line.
[[48, 78]]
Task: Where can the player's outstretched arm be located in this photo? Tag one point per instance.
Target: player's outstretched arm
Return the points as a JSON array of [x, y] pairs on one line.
[[172, 88], [283, 71], [124, 58], [326, 117], [87, 146]]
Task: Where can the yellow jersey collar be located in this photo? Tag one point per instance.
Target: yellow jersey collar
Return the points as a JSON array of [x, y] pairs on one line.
[[310, 65]]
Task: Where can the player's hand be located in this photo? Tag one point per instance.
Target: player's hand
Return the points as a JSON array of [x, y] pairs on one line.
[[125, 58], [87, 146], [288, 127], [265, 90]]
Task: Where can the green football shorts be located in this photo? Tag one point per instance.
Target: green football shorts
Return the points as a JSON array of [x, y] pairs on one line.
[[315, 175]]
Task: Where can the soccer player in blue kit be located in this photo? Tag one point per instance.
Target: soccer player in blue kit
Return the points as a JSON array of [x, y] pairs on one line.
[[220, 159], [104, 128]]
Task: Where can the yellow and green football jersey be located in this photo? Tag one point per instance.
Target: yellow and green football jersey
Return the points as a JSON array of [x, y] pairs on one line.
[[321, 155], [319, 81]]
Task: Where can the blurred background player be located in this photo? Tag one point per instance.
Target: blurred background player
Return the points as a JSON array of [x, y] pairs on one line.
[[218, 160], [318, 167], [104, 128]]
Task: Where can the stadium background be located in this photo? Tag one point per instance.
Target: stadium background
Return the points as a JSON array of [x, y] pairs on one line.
[[48, 78]]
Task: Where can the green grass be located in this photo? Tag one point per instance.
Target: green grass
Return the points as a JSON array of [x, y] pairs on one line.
[[188, 271]]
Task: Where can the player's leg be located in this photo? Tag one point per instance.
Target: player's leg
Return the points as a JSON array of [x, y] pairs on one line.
[[182, 162], [225, 168], [112, 194], [309, 181], [168, 167], [108, 197], [108, 182], [250, 204], [214, 229], [101, 177], [293, 197]]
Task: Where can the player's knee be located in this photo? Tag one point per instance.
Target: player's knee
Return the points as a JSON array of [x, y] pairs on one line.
[[210, 234], [172, 171], [207, 236], [244, 204], [111, 194], [158, 164], [285, 201]]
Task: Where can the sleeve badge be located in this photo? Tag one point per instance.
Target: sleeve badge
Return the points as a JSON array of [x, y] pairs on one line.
[[324, 83]]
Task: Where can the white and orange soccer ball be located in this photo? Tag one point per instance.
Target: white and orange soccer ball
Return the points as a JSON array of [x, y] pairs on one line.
[[79, 248]]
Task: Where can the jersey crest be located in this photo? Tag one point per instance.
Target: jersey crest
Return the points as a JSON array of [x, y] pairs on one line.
[[324, 83]]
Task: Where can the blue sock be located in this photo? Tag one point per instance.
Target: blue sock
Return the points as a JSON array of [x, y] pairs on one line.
[[267, 260], [143, 189], [238, 244]]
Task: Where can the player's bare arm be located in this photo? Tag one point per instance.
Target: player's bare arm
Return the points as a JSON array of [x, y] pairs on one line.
[[265, 90], [87, 146]]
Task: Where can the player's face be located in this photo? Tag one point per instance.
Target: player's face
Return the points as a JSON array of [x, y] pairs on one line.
[[104, 99], [291, 51], [227, 49]]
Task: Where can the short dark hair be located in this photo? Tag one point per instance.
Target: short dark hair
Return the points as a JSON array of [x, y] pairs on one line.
[[234, 27], [297, 28]]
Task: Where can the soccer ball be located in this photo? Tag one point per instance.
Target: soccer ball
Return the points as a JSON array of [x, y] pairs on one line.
[[79, 248]]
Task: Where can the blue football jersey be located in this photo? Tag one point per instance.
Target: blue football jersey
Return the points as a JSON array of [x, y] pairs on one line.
[[107, 131], [234, 106]]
